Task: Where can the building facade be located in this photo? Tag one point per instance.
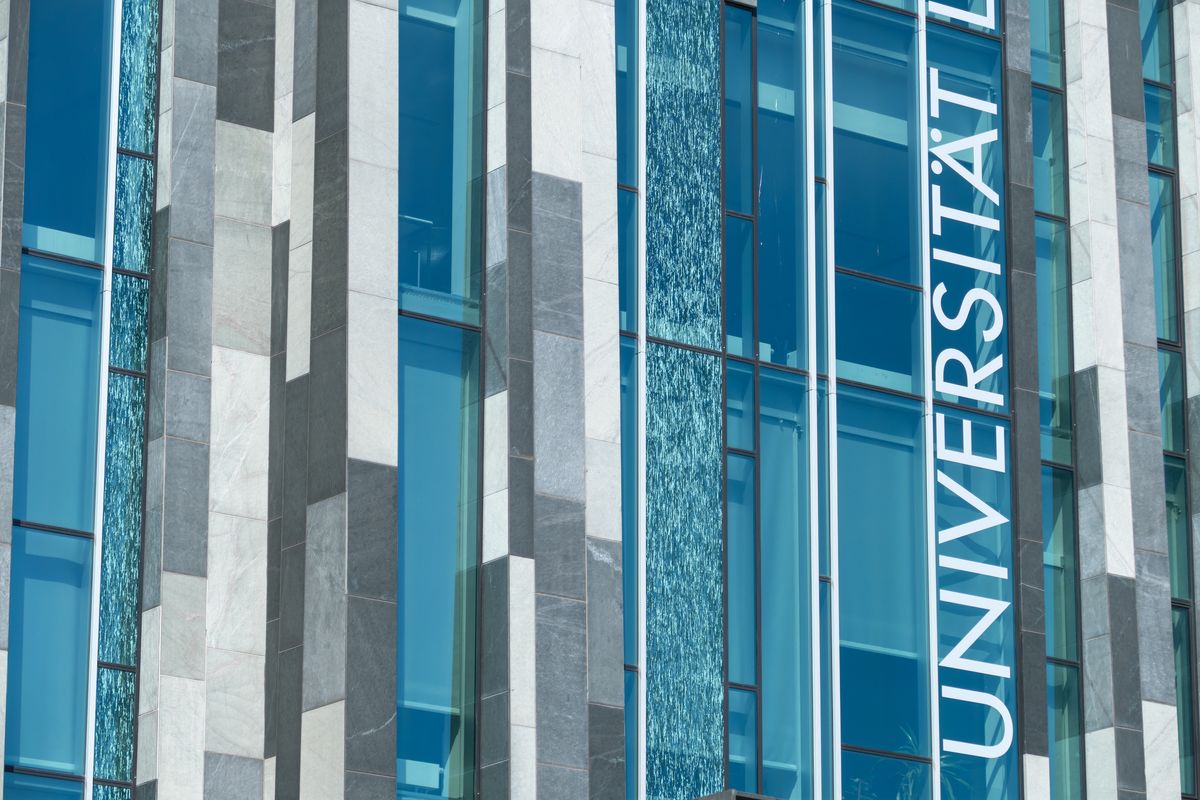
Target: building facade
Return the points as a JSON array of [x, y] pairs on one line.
[[563, 399]]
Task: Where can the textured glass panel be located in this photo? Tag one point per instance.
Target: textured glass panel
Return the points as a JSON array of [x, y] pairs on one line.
[[1049, 163], [121, 554], [48, 659], [1160, 126], [102, 792], [35, 787], [139, 75], [743, 736], [1065, 730], [739, 109], [683, 171], [58, 381], [66, 127], [1178, 538], [871, 777], [134, 214], [1155, 18], [1170, 398], [884, 602], [739, 286], [878, 333], [627, 244], [739, 400], [740, 570], [439, 498], [684, 638], [631, 742], [1185, 698], [1164, 249], [629, 481], [786, 587], [627, 97], [877, 214], [114, 724], [441, 157], [1060, 564], [1054, 339], [1046, 35], [127, 322]]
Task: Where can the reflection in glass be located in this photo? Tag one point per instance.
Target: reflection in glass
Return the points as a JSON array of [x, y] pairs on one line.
[[1049, 163], [139, 75], [627, 98], [872, 777], [114, 724], [826, 691], [1065, 730], [739, 109], [629, 511], [1160, 126], [1171, 402], [1179, 542], [127, 322], [1185, 698], [1046, 35], [35, 787], [1059, 563], [743, 733], [878, 333], [739, 286], [631, 744], [627, 243], [1054, 339], [1163, 248], [740, 569], [134, 214], [739, 420], [1155, 19]]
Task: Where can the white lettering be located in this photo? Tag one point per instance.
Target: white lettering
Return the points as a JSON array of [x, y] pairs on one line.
[[981, 750], [959, 260], [941, 212], [970, 388], [976, 295], [937, 94], [974, 176], [956, 658], [967, 455], [990, 519]]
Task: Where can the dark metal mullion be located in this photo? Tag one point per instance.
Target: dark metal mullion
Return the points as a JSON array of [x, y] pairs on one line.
[[62, 259], [466, 326], [874, 751], [43, 773], [41, 526], [755, 352], [1051, 217], [878, 278]]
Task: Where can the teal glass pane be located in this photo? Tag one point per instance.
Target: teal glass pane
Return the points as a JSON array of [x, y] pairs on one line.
[[1171, 401], [629, 481], [1155, 19], [1179, 540], [743, 738], [884, 612], [48, 656], [58, 382], [1185, 698], [1164, 249], [627, 95], [875, 118], [738, 123], [441, 164], [685, 687], [1049, 161], [35, 787], [822, 283], [826, 691], [881, 778], [627, 244], [820, 46], [739, 286], [631, 742], [1060, 563], [439, 506], [1054, 339], [740, 553], [134, 214], [1160, 126], [139, 75], [1064, 731], [887, 352], [121, 549], [739, 405], [128, 329], [103, 792], [824, 500], [115, 697], [683, 171], [787, 580], [1046, 40], [66, 127]]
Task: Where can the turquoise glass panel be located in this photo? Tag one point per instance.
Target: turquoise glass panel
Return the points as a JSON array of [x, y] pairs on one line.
[[35, 787], [881, 778], [824, 499], [48, 660], [786, 594], [739, 286], [66, 127], [1179, 540], [1054, 339], [822, 269], [887, 351], [134, 214], [685, 687], [58, 381], [627, 95], [884, 612], [683, 171], [439, 509], [631, 745], [826, 692], [629, 480], [627, 244], [121, 549], [441, 176], [128, 323], [1060, 565], [743, 740], [1160, 126], [740, 554], [739, 405], [1164, 249], [738, 124], [115, 696], [820, 86], [1049, 160], [139, 75], [1046, 39], [1171, 401], [104, 792], [1185, 697], [1064, 732], [1155, 19]]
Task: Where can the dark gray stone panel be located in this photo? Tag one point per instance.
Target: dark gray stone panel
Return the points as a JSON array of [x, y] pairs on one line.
[[280, 239], [558, 547], [304, 65], [557, 782], [520, 506], [1131, 759], [187, 406], [606, 753], [1125, 62], [1032, 683], [147, 791], [371, 686], [1156, 641], [274, 557], [1097, 684], [189, 304], [1126, 672], [1149, 504], [333, 59], [185, 508], [160, 241], [1085, 402], [276, 436], [287, 745], [18, 56], [229, 777], [364, 786], [12, 216], [519, 150], [495, 364], [561, 683], [494, 632], [153, 527], [295, 464], [327, 416], [519, 271], [291, 597], [10, 303], [1141, 387], [493, 729], [330, 257], [606, 642], [271, 690], [559, 412], [193, 159], [246, 64], [1019, 118], [1137, 271], [517, 37], [196, 41], [156, 389], [520, 408], [494, 781], [371, 524]]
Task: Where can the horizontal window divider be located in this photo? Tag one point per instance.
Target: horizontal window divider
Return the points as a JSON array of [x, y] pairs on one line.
[[628, 334], [115, 784], [945, 23], [1045, 87], [1159, 169], [38, 526], [128, 372], [737, 451], [1174, 347], [821, 179], [740, 215], [625, 187], [466, 326], [877, 278], [751, 5], [631, 668], [43, 773], [1052, 217], [1064, 662], [744, 687], [1182, 603], [824, 579], [79, 262], [132, 273], [871, 751], [125, 151], [1170, 87], [117, 667], [881, 389], [904, 12], [683, 346], [1056, 465], [1175, 454]]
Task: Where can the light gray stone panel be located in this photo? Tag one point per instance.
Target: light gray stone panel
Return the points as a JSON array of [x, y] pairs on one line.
[[183, 626], [229, 777], [186, 399], [1155, 637], [558, 415], [1097, 684], [325, 603], [606, 643], [189, 300], [558, 546], [195, 40], [193, 148], [244, 172], [240, 433], [237, 584], [304, 69], [233, 705], [242, 286]]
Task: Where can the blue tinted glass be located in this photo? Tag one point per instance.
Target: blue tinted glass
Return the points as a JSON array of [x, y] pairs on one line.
[[121, 550], [1060, 564], [66, 134], [1178, 538], [877, 214], [1064, 731], [1185, 698], [685, 687], [740, 571], [739, 399], [114, 724], [683, 171], [743, 735], [35, 787], [631, 745], [139, 75], [1054, 339], [48, 660], [1046, 35], [739, 109], [627, 258], [438, 493], [826, 693], [1170, 397], [627, 97], [1164, 250], [870, 776], [127, 322], [819, 87], [878, 333], [1155, 18], [786, 587], [441, 156], [822, 270], [884, 603], [629, 512], [1160, 126], [1049, 164], [824, 499], [134, 214], [58, 378], [739, 286]]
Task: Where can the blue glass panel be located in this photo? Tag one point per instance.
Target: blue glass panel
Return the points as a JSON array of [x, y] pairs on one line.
[[823, 268], [820, 45], [66, 134], [1155, 18], [1054, 339], [1171, 401], [1160, 126], [743, 736], [1179, 540], [876, 161], [441, 157], [115, 695], [127, 322], [627, 95], [629, 480], [1046, 35], [786, 587], [627, 258], [1060, 563], [1185, 697], [881, 778], [740, 570], [739, 109], [103, 792], [1049, 160], [1065, 732], [48, 660], [139, 75], [134, 214], [121, 550], [884, 610], [879, 333], [439, 496], [826, 692], [683, 171], [976, 15], [739, 400], [58, 381], [35, 787], [824, 500], [685, 685], [739, 286], [631, 745], [1164, 250]]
